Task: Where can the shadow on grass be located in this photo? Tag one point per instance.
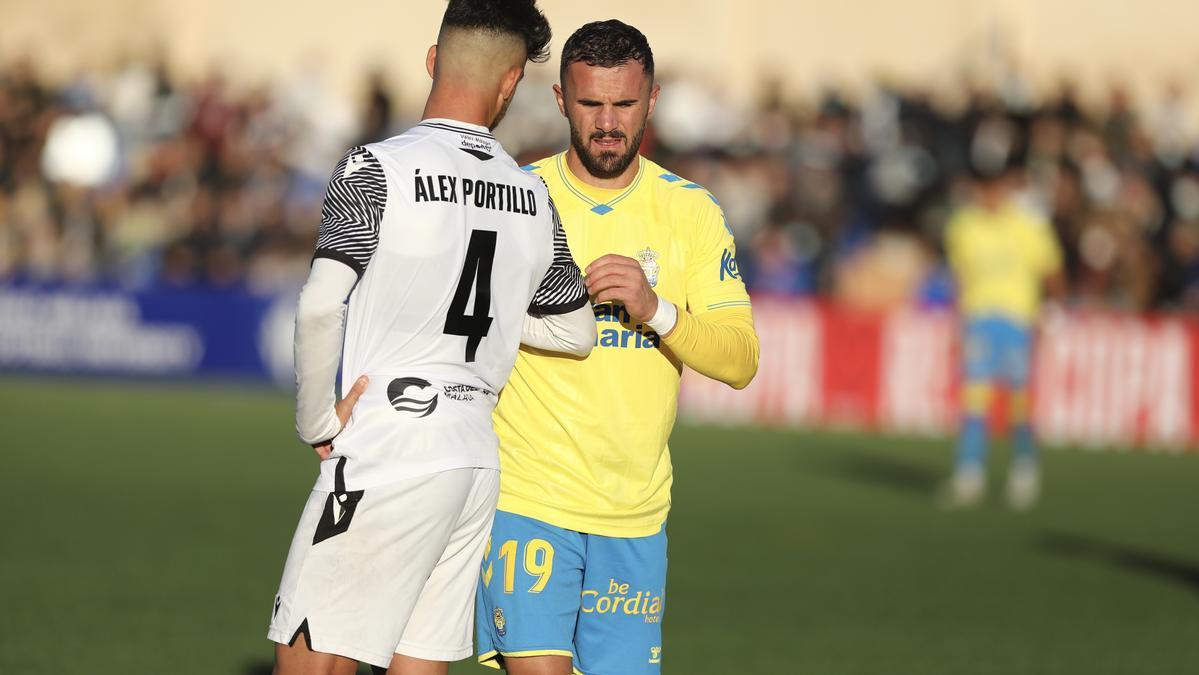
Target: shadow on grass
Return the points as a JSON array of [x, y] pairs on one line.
[[892, 473], [1130, 558]]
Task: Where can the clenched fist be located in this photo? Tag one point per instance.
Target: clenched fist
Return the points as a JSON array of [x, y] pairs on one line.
[[617, 278]]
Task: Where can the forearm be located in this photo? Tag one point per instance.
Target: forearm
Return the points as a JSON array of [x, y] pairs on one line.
[[320, 321], [569, 333], [721, 344]]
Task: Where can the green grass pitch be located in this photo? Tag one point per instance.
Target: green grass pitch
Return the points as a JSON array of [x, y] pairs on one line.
[[145, 528]]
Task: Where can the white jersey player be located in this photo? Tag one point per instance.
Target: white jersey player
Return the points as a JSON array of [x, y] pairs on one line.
[[450, 256]]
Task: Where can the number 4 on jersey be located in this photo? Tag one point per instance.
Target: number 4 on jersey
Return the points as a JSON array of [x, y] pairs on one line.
[[476, 271]]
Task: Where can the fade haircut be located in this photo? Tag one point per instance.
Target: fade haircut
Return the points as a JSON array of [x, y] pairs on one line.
[[519, 18], [607, 44]]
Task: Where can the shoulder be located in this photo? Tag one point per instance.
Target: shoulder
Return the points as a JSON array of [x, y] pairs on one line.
[[413, 144], [354, 160], [529, 174], [683, 198], [542, 175], [358, 175], [544, 168], [1030, 217], [962, 218], [677, 191]]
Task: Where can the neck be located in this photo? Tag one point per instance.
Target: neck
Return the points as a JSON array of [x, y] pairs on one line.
[[616, 183], [458, 104], [993, 202]]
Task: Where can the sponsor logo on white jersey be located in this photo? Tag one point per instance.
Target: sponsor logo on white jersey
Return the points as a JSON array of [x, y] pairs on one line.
[[415, 403]]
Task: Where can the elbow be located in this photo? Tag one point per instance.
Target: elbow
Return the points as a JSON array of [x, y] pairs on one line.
[[571, 334], [747, 370], [744, 376], [313, 428], [310, 434], [306, 435], [580, 348], [314, 310], [580, 337]]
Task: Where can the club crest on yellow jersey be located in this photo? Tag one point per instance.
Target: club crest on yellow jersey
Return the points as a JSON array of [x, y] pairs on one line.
[[649, 264]]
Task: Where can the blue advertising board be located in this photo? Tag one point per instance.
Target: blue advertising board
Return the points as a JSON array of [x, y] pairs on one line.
[[153, 333]]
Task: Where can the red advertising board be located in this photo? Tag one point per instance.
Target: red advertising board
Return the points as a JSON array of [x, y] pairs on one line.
[[1099, 380]]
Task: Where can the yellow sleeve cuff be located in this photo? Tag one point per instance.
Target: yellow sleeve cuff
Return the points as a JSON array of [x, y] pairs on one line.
[[720, 344]]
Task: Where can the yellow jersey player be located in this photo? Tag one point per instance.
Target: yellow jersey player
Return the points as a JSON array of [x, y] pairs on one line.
[[1002, 256], [574, 578]]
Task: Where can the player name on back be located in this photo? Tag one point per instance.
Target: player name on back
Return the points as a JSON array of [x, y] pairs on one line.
[[481, 194]]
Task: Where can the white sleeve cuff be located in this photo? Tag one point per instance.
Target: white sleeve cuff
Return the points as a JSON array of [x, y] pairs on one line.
[[665, 318], [330, 427]]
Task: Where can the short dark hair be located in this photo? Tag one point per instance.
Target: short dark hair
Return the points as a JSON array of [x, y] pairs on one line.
[[520, 18], [607, 44]]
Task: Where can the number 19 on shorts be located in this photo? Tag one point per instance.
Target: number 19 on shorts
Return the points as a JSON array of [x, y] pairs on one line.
[[537, 556]]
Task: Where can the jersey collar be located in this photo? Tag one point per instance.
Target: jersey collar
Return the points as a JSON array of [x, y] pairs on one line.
[[601, 200], [455, 125]]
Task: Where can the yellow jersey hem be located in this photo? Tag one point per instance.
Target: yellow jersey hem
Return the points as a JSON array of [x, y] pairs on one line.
[[643, 527], [982, 314]]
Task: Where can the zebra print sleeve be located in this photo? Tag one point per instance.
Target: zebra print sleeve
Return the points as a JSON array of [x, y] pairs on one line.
[[562, 289], [353, 210]]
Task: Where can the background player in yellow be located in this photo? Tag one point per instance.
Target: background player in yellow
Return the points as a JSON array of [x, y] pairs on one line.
[[1002, 255], [575, 574]]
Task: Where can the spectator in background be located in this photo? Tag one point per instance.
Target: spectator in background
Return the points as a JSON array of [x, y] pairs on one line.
[[1002, 256], [378, 114], [841, 196]]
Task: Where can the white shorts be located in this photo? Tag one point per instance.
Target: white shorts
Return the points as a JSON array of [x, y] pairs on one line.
[[391, 569]]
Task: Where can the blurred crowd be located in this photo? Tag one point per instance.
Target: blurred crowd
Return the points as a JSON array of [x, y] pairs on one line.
[[135, 178], [850, 198]]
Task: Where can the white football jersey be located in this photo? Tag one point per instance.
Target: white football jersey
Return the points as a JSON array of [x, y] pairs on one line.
[[453, 244]]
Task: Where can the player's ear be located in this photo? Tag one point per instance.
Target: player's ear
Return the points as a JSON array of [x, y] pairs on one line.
[[511, 79], [561, 99], [653, 99], [431, 61]]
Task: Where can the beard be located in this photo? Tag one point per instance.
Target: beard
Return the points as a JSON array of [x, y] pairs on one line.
[[607, 164]]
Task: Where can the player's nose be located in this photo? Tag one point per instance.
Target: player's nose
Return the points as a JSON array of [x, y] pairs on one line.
[[605, 119]]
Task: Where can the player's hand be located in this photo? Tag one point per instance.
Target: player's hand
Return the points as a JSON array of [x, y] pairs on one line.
[[344, 408], [619, 278]]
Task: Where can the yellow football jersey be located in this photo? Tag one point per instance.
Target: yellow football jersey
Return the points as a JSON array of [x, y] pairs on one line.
[[583, 442], [1000, 260]]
